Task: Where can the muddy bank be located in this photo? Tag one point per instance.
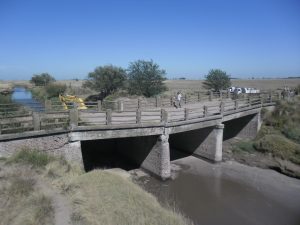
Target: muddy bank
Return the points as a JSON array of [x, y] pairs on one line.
[[261, 160], [227, 193]]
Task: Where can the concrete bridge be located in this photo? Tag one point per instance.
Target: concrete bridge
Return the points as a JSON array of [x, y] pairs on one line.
[[145, 137]]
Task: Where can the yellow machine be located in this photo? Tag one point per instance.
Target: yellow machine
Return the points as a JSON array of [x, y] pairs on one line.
[[69, 100]]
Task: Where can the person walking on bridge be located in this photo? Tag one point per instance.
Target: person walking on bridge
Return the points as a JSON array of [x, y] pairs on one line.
[[179, 96]]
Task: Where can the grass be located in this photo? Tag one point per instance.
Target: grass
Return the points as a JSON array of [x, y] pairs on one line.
[[244, 146], [33, 157], [280, 134], [98, 197], [20, 201]]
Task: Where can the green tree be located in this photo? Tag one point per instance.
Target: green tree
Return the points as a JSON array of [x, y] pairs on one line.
[[42, 79], [146, 78], [217, 80], [106, 79]]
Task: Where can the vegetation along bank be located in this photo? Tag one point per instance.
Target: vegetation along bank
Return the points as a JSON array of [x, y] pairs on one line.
[[36, 188], [277, 145]]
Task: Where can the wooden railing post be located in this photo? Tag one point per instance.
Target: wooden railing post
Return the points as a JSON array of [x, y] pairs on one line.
[[121, 106], [249, 100], [48, 105], [185, 99], [108, 116], [139, 103], [138, 116], [171, 101], [199, 97], [222, 106], [36, 121], [236, 104], [73, 115], [210, 95], [186, 113], [0, 129], [205, 111], [279, 96], [164, 116], [221, 94], [99, 105], [157, 102]]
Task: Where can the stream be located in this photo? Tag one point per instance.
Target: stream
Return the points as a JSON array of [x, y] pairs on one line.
[[227, 193], [24, 97]]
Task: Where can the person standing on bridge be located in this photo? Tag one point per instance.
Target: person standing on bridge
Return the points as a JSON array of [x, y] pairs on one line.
[[179, 97]]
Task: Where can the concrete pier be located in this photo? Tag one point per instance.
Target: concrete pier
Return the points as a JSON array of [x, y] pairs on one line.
[[158, 159]]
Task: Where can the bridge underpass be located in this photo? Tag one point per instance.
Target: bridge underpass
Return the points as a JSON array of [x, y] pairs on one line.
[[126, 153], [243, 127], [153, 152]]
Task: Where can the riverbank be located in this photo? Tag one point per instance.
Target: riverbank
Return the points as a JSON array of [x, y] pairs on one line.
[[276, 146], [36, 188], [258, 159], [227, 193]]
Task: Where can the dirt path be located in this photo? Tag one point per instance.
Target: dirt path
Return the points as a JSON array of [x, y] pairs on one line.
[[61, 205]]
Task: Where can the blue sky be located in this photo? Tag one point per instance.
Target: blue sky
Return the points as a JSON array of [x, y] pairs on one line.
[[69, 38]]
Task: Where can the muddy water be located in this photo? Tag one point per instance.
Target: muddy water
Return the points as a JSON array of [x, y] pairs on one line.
[[228, 193]]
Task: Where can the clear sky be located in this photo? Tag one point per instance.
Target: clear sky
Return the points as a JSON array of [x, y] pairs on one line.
[[69, 38]]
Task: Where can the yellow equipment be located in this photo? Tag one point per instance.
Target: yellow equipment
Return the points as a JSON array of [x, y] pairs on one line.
[[68, 100]]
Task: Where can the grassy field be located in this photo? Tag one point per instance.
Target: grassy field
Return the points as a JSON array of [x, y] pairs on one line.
[[184, 85], [39, 189], [196, 85]]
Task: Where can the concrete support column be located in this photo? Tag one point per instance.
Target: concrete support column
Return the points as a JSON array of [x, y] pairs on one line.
[[218, 131], [211, 146], [158, 160]]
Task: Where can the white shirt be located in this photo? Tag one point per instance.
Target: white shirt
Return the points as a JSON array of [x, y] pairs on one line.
[[179, 96]]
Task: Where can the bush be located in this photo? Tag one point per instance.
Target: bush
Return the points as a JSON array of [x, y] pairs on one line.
[[106, 79], [53, 90], [42, 79], [292, 132], [278, 146]]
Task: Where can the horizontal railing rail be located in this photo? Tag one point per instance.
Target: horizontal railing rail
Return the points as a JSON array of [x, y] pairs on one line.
[[95, 115]]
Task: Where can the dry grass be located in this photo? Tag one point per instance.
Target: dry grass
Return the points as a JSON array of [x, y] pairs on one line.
[[98, 197], [101, 197], [188, 86], [31, 157], [21, 202]]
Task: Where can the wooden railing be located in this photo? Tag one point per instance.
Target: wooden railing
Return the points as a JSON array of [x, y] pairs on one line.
[[96, 116]]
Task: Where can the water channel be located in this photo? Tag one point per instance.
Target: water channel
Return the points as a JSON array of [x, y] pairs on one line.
[[227, 193], [24, 97]]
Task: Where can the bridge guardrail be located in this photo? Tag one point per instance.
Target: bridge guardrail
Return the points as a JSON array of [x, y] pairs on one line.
[[95, 116]]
